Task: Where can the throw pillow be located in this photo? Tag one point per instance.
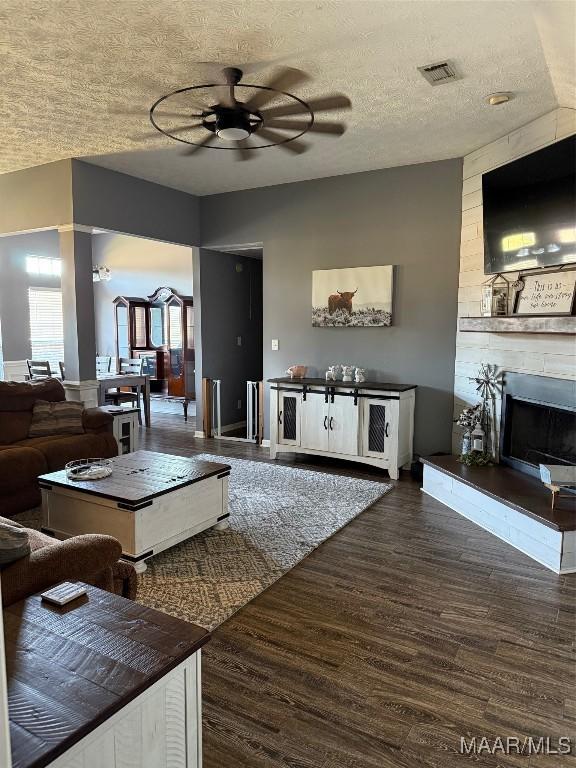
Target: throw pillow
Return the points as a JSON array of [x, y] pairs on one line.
[[14, 543], [64, 418]]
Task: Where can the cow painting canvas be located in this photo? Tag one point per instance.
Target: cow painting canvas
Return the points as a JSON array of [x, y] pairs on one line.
[[356, 297]]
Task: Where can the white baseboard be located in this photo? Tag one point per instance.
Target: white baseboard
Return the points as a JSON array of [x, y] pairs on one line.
[[199, 433], [265, 444]]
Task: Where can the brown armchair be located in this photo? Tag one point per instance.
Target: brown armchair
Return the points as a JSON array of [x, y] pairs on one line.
[[92, 558]]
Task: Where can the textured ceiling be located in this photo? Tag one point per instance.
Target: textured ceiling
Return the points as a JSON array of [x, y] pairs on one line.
[[65, 66]]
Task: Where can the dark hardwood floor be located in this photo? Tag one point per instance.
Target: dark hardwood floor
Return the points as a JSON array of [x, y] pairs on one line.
[[408, 629]]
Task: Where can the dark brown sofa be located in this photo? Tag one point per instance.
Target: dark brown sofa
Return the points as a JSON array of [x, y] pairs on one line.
[[92, 558], [23, 458]]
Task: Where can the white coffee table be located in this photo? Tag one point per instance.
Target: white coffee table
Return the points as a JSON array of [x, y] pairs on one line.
[[151, 501]]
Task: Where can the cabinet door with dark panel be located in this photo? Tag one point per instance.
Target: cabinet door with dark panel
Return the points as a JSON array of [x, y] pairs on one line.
[[380, 426], [289, 418]]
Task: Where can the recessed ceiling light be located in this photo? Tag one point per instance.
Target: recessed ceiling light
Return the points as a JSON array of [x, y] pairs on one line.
[[498, 98]]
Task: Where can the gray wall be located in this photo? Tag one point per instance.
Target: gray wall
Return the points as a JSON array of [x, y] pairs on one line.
[[14, 284], [36, 197], [231, 306], [407, 216], [139, 266], [111, 200]]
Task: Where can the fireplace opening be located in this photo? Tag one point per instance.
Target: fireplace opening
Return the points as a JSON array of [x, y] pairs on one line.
[[538, 424], [541, 434]]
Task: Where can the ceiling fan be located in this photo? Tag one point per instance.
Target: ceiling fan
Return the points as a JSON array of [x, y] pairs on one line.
[[243, 116]]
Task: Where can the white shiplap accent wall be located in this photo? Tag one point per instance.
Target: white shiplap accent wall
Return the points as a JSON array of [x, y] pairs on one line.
[[543, 354]]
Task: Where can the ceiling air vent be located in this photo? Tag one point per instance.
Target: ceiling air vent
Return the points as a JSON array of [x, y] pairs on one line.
[[437, 74]]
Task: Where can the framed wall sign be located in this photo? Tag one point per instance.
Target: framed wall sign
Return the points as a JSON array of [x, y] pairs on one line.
[[546, 293]]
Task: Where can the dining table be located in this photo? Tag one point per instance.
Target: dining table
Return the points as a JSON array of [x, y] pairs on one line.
[[108, 381]]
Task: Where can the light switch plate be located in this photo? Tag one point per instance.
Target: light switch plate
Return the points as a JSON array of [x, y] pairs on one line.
[[239, 340], [275, 345]]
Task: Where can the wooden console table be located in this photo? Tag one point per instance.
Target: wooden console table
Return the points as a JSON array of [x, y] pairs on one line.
[[102, 682]]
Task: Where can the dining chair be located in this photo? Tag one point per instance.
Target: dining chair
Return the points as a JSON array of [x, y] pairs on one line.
[[62, 370], [118, 396], [134, 366], [38, 369], [103, 364]]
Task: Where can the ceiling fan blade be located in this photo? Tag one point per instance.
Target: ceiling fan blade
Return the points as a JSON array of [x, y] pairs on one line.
[[296, 147], [334, 129], [323, 104], [158, 134], [147, 135], [144, 111], [286, 79], [199, 113], [184, 128], [195, 147], [244, 151]]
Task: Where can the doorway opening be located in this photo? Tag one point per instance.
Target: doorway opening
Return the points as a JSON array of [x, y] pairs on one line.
[[232, 341], [144, 316]]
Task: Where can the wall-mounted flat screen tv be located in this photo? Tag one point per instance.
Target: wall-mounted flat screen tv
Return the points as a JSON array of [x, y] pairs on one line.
[[530, 210]]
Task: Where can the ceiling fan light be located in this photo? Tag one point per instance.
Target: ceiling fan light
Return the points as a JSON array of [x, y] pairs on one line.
[[232, 133]]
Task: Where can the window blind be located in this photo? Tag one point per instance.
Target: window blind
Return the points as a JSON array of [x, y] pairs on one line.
[[46, 325], [175, 328], [139, 327]]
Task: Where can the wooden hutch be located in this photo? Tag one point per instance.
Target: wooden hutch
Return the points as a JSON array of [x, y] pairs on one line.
[[159, 329]]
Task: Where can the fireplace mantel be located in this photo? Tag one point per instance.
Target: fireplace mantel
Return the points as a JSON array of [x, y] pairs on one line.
[[514, 324]]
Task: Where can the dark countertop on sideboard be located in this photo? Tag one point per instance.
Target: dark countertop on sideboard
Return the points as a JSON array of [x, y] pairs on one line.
[[387, 387], [73, 667], [521, 492]]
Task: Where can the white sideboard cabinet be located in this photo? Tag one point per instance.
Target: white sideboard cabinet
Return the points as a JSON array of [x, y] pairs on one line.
[[369, 422]]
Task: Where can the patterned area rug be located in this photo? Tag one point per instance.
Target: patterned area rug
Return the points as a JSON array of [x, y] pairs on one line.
[[278, 515]]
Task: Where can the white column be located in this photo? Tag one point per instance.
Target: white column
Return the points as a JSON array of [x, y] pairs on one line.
[[78, 310]]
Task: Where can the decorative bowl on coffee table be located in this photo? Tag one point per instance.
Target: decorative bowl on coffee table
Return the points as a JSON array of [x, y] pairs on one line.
[[88, 469]]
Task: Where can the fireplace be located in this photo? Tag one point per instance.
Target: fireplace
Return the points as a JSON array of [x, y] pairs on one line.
[[538, 422]]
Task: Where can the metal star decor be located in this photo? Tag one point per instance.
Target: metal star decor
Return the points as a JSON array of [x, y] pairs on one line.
[[489, 387]]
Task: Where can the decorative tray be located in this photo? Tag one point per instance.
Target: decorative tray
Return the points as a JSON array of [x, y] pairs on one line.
[[88, 469]]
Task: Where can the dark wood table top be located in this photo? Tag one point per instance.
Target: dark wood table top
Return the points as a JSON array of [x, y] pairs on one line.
[[69, 669], [380, 385], [514, 489], [140, 476]]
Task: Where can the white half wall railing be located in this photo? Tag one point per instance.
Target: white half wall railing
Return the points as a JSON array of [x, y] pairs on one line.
[[216, 411], [252, 410], [15, 370]]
